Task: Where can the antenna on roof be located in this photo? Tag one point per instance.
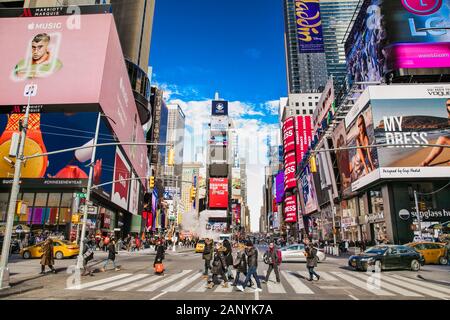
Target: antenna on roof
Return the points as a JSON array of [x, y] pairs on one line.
[[216, 96]]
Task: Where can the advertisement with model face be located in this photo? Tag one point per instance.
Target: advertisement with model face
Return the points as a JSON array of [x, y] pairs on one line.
[[391, 35], [308, 191], [342, 156], [75, 69], [403, 114]]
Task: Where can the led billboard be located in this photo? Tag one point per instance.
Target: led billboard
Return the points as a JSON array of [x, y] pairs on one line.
[[308, 191], [288, 135], [289, 171], [303, 136], [219, 108], [396, 115], [218, 193], [290, 209], [279, 181], [392, 35], [77, 68]]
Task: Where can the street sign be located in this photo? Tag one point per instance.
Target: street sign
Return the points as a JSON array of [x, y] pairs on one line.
[[30, 90], [90, 209], [81, 195]]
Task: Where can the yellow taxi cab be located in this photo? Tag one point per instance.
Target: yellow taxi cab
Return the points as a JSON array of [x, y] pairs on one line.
[[61, 249], [200, 247], [433, 252]]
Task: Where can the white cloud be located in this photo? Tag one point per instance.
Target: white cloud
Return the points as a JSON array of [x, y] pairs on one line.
[[273, 106]]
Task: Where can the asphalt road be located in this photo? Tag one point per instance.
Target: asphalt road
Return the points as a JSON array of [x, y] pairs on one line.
[[183, 280]]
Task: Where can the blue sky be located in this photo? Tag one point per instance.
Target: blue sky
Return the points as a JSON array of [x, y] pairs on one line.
[[235, 47]]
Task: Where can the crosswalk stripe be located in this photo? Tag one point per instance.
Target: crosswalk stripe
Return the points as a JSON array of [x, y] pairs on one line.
[[184, 283], [362, 284], [296, 283], [164, 282], [137, 284], [99, 282], [386, 285], [418, 288], [199, 287], [422, 283], [275, 287], [222, 289], [119, 282]]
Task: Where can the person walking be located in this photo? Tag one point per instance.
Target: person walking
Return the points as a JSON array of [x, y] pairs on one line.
[[207, 256], [311, 261], [241, 267], [219, 266], [47, 256], [160, 254], [252, 262], [111, 256], [228, 258], [88, 255], [272, 258]]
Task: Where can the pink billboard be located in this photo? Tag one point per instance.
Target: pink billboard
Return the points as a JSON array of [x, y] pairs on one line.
[[289, 171], [290, 209], [77, 68], [303, 136]]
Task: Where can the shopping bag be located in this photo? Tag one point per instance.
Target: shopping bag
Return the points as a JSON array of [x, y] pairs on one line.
[[159, 268]]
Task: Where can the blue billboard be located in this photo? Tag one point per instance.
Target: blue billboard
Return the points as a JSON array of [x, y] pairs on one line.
[[309, 26], [219, 108]]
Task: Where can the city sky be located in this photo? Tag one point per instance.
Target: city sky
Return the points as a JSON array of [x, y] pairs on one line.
[[234, 47]]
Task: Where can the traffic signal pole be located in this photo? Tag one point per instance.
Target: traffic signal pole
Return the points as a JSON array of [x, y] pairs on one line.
[[4, 271]]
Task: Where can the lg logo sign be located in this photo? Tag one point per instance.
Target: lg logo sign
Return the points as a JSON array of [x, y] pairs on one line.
[[422, 7]]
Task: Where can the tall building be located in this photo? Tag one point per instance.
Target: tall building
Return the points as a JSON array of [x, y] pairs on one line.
[[298, 104], [175, 135], [336, 18], [191, 172], [306, 72]]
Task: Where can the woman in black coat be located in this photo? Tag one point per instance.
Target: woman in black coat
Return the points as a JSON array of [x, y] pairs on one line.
[[219, 267], [228, 258]]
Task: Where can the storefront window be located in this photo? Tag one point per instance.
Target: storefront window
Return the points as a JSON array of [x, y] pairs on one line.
[[41, 200], [54, 200], [376, 201], [3, 206], [28, 200]]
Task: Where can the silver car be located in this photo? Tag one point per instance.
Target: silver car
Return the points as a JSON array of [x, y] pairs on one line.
[[296, 252]]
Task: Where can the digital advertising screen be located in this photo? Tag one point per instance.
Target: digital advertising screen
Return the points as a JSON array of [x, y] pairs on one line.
[[218, 193]]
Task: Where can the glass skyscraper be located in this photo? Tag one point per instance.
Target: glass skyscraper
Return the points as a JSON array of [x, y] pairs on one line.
[[336, 18], [309, 72]]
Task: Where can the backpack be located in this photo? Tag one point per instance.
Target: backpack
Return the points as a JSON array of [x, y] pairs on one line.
[[279, 256]]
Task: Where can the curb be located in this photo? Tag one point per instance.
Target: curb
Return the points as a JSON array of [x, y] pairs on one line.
[[12, 291]]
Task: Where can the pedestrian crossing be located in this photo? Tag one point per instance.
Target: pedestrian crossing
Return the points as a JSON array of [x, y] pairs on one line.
[[383, 285]]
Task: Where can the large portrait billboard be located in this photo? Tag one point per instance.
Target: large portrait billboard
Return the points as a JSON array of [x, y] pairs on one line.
[[308, 191], [290, 209], [396, 115], [404, 34], [218, 193], [309, 26], [76, 68]]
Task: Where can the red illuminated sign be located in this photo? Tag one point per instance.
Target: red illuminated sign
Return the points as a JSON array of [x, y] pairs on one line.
[[290, 209], [218, 193]]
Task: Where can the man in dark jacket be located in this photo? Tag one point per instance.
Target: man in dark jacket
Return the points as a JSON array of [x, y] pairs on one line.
[[111, 255], [228, 258], [311, 261], [207, 256], [271, 258], [219, 267], [88, 254], [252, 261]]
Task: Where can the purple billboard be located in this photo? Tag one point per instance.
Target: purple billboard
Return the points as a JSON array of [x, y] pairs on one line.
[[279, 183], [309, 26]]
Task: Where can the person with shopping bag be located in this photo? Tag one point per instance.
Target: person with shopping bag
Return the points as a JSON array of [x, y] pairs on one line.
[[158, 263]]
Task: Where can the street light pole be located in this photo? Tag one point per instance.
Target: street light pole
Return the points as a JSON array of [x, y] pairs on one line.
[[4, 270], [418, 214], [88, 194]]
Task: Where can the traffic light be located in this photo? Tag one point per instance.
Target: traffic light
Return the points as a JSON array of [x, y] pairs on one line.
[[422, 206], [193, 192], [151, 182], [171, 157], [312, 164]]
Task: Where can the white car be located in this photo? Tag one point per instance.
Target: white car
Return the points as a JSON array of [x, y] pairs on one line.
[[296, 252]]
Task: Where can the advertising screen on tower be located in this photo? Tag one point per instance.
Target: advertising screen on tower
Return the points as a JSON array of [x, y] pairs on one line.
[[219, 108], [279, 182], [288, 135], [309, 26], [218, 193], [289, 171], [404, 34], [308, 190], [303, 136], [396, 115], [77, 67], [290, 209]]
